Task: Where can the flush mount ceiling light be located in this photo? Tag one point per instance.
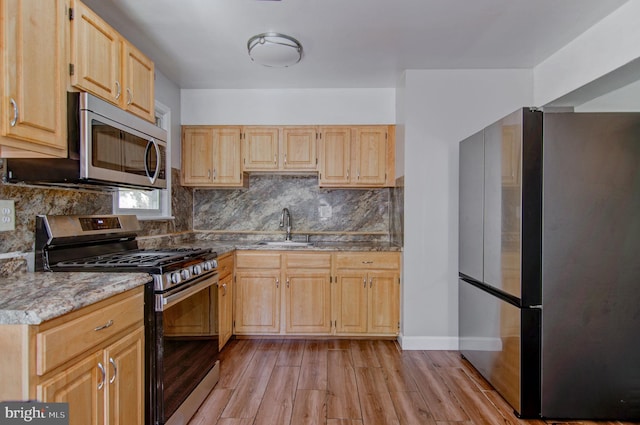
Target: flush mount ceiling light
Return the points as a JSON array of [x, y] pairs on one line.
[[274, 50]]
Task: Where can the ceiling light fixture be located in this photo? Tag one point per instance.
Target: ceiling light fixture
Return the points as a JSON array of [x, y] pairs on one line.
[[274, 50]]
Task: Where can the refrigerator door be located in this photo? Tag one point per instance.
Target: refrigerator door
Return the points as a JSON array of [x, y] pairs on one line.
[[591, 275], [502, 342], [502, 204], [471, 206]]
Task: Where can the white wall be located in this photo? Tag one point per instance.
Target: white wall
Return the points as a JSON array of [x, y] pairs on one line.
[[607, 46], [440, 108], [168, 93], [288, 107]]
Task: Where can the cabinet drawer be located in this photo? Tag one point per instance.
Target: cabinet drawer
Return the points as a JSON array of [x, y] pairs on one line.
[[63, 342], [368, 260], [257, 260], [310, 260], [225, 265]]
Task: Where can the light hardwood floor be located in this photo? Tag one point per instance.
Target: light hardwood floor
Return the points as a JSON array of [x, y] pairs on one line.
[[351, 382]]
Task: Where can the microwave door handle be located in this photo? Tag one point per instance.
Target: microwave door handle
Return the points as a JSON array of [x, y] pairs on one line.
[[153, 143]]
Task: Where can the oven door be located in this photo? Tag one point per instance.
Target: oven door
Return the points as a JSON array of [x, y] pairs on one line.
[[186, 356]]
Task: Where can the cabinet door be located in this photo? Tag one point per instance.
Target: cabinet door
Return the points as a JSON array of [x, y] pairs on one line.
[[351, 303], [257, 301], [383, 303], [83, 386], [299, 149], [308, 302], [124, 361], [138, 83], [33, 76], [334, 155], [225, 310], [260, 148], [226, 157], [95, 54], [369, 156], [197, 156]]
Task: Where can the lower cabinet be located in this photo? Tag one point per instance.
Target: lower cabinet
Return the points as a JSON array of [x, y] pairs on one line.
[[104, 388], [307, 278], [225, 299], [257, 291], [317, 293], [92, 358]]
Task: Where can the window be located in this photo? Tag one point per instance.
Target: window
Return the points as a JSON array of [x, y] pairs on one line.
[[149, 204]]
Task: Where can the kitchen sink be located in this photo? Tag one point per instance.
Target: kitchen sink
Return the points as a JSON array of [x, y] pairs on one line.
[[286, 243]]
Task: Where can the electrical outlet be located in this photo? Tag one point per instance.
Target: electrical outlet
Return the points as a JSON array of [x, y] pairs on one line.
[[7, 215]]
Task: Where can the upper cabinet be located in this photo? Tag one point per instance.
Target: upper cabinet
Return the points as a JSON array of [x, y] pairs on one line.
[[344, 156], [361, 156], [290, 149], [33, 74], [108, 66], [211, 157]]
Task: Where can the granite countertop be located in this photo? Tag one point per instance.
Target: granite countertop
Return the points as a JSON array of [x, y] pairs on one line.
[[223, 247], [32, 298]]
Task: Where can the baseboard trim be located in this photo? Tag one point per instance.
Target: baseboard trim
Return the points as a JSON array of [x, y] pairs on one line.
[[428, 342]]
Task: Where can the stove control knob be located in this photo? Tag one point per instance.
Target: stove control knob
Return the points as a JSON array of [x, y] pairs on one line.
[[184, 273], [210, 265], [197, 269], [175, 278]]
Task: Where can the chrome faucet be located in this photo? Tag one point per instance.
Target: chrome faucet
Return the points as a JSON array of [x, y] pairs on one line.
[[285, 220]]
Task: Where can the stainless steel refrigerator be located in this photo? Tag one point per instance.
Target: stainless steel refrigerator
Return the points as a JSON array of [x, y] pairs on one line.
[[549, 262]]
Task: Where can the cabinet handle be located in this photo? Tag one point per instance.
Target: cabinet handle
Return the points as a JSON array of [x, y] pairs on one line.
[[358, 175], [370, 282], [14, 121], [275, 158], [118, 90], [224, 289], [364, 282], [287, 282], [129, 96], [208, 174], [104, 376], [215, 175], [105, 326], [115, 370], [367, 262], [277, 283], [347, 174], [285, 158]]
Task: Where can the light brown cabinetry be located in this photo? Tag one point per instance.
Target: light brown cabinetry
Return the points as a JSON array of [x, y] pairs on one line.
[[106, 64], [367, 293], [92, 358], [211, 157], [225, 299], [33, 89], [363, 298], [288, 148], [307, 292], [356, 156], [257, 292]]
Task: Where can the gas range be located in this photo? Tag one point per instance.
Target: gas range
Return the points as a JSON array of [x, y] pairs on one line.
[[107, 243]]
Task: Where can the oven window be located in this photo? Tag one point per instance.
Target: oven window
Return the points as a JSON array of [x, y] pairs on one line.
[[106, 146]]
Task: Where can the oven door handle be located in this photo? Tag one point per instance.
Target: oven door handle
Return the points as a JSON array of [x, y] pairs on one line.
[[164, 301]]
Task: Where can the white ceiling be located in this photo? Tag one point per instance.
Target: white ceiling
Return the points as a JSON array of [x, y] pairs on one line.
[[347, 43]]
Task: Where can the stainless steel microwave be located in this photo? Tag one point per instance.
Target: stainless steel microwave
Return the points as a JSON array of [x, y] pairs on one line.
[[108, 148]]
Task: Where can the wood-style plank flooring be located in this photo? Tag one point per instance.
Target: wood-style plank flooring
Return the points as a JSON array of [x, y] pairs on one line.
[[351, 382]]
